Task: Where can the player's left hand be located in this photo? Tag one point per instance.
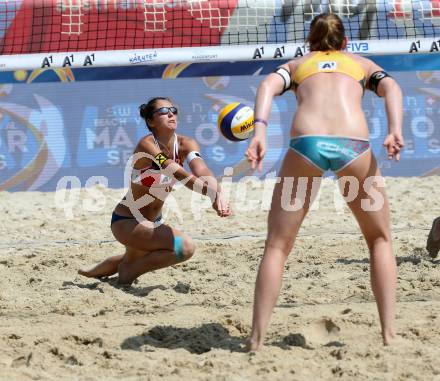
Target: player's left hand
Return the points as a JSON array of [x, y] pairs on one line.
[[394, 143]]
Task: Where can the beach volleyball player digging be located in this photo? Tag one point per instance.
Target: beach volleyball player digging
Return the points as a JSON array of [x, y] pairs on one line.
[[329, 131], [137, 222]]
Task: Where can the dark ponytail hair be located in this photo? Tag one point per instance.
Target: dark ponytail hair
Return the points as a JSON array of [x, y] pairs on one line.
[[326, 33], [146, 109]]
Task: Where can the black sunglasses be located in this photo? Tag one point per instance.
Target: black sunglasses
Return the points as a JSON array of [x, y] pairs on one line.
[[166, 110]]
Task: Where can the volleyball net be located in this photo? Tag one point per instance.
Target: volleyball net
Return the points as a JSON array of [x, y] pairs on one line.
[[82, 33]]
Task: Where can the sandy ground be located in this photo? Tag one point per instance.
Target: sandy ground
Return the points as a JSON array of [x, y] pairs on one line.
[[191, 321]]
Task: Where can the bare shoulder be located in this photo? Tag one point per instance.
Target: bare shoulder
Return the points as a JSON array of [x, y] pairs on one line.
[[187, 144], [145, 144], [293, 64], [366, 63]]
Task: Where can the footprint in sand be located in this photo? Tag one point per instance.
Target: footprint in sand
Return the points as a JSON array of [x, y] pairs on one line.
[[84, 340], [321, 332], [22, 361], [318, 333], [182, 288]]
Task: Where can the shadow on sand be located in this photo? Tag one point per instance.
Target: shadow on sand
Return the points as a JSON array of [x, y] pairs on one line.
[[412, 258], [113, 281], [196, 340]]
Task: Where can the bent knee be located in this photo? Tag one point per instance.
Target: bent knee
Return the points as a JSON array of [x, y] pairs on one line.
[[189, 248], [184, 248]]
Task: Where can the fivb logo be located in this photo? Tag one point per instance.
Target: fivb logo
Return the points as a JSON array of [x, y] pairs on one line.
[[358, 47], [327, 65]]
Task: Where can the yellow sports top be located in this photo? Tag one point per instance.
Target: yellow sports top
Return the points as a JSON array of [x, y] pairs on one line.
[[329, 62]]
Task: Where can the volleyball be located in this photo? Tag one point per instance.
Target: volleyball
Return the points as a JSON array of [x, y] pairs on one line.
[[236, 121]]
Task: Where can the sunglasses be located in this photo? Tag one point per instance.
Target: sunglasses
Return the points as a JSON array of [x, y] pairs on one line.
[[166, 110]]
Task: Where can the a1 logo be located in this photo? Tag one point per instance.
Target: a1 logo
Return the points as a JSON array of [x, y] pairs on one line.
[[327, 65]]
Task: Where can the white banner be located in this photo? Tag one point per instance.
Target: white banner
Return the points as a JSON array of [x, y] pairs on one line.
[[205, 54]]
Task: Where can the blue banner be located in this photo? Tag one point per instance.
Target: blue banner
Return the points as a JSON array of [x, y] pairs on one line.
[[55, 123]]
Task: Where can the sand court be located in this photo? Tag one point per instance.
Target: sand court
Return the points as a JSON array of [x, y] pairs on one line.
[[192, 320]]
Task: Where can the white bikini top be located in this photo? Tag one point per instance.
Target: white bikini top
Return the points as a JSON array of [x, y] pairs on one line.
[[152, 176]]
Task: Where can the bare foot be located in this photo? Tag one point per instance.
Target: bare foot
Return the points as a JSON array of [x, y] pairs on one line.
[[88, 273], [107, 267], [389, 339], [126, 274], [253, 346], [396, 341], [433, 243]]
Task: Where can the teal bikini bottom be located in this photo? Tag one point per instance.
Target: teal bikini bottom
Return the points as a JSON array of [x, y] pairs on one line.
[[329, 152]]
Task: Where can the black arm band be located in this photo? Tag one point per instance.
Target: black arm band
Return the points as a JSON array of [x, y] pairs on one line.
[[375, 78], [160, 158], [285, 75]]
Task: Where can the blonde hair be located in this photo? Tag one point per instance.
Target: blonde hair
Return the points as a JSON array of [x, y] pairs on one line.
[[326, 33]]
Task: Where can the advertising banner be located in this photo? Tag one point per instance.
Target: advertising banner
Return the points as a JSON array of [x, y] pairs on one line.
[[53, 125]]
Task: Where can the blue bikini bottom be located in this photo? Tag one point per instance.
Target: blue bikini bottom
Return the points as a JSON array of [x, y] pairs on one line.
[[117, 217], [177, 240], [329, 152]]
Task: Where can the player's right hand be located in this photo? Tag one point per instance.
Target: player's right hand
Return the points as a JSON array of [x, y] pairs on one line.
[[221, 205]]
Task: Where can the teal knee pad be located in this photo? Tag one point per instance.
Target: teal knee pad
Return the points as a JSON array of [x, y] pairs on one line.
[[178, 248]]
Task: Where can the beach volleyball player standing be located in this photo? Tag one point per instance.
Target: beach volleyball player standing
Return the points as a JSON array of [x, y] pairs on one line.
[[329, 131]]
